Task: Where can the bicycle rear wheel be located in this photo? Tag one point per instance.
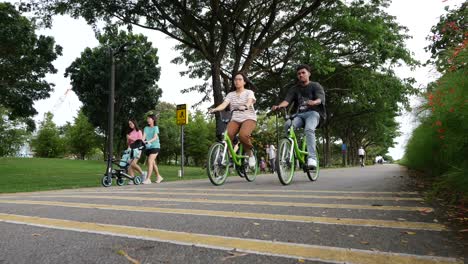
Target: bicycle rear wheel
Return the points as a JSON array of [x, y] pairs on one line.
[[217, 166], [285, 162]]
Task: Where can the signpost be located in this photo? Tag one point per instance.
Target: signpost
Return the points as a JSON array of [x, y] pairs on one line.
[[182, 120]]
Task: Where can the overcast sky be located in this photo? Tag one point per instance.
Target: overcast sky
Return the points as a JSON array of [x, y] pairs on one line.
[[75, 35]]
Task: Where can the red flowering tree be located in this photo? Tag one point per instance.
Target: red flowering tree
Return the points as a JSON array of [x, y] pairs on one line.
[[440, 144]]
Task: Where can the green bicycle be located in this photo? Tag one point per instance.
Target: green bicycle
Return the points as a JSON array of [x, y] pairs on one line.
[[222, 155], [291, 155]]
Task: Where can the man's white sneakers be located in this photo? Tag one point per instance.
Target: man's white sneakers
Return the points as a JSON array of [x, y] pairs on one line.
[[311, 163]]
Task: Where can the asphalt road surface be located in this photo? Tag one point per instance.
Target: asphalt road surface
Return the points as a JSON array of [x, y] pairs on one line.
[[354, 215]]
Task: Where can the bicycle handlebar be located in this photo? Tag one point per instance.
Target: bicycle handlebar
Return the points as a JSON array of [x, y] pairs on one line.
[[286, 115], [227, 120], [231, 111]]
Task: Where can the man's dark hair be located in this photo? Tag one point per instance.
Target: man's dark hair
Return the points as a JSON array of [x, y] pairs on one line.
[[302, 66]]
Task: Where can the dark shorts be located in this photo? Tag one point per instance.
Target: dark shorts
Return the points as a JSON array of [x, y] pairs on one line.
[[151, 151], [361, 156]]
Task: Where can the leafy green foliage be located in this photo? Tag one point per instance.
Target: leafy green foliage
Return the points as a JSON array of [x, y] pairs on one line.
[[25, 60], [200, 134], [352, 49], [439, 144], [265, 133], [13, 134], [136, 74], [169, 132], [448, 38], [48, 143], [216, 33], [81, 137]]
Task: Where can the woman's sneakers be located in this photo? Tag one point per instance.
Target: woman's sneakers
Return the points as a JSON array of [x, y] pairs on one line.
[[159, 179], [147, 181]]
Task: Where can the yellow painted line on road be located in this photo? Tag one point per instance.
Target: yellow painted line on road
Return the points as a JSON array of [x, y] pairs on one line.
[[218, 189], [255, 246], [244, 215], [165, 192], [243, 202]]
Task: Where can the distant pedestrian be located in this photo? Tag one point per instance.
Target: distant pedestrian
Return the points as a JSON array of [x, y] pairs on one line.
[[263, 165], [361, 153], [272, 157]]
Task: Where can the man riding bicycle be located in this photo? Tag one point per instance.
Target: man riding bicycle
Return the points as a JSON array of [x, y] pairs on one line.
[[309, 98]]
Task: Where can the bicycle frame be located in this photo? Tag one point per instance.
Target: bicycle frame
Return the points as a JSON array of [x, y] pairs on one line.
[[237, 159], [301, 154], [287, 165]]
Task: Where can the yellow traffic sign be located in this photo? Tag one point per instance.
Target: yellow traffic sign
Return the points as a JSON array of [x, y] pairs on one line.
[[182, 114]]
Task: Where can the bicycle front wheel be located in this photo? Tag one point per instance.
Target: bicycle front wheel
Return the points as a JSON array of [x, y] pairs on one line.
[[285, 162], [217, 166]]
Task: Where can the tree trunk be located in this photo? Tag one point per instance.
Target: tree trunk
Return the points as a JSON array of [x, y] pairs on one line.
[[327, 150], [217, 90]]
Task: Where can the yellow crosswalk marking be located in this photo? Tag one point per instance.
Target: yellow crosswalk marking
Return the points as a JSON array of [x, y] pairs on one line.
[[218, 189], [337, 197], [262, 247], [244, 215], [244, 202]]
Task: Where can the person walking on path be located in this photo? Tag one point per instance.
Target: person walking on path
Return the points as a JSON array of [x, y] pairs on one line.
[[361, 153], [133, 135], [272, 157], [262, 165], [151, 139]]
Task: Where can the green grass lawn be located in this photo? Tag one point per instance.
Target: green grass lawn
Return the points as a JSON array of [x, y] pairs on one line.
[[36, 174]]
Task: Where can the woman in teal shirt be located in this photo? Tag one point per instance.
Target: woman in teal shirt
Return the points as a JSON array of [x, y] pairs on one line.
[[151, 139]]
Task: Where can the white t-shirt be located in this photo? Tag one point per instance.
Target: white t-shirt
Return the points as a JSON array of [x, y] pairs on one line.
[[361, 152], [272, 152]]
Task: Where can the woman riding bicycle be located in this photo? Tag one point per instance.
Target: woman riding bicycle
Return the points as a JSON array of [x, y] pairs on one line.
[[244, 121]]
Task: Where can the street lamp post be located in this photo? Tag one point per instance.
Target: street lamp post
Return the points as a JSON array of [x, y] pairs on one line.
[[110, 142]]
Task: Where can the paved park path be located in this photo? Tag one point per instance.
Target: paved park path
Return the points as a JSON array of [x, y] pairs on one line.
[[355, 215]]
